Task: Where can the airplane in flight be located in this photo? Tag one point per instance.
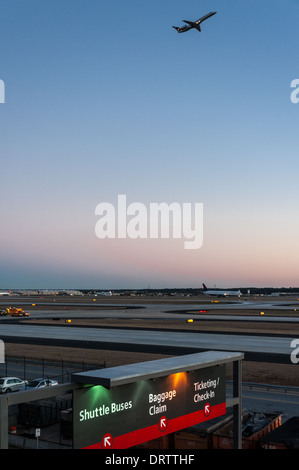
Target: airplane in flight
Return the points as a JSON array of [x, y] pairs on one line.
[[194, 24], [221, 293]]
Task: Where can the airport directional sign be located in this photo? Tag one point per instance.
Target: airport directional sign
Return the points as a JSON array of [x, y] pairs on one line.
[[128, 415]]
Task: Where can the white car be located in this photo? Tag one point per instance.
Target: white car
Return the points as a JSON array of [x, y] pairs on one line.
[[39, 383], [11, 384]]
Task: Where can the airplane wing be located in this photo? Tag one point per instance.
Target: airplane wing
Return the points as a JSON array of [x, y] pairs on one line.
[[192, 24]]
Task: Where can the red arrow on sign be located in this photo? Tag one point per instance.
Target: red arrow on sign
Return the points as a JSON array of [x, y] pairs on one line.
[[163, 423], [107, 441]]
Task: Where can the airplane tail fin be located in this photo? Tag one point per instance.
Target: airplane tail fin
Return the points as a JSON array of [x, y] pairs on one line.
[[204, 287]]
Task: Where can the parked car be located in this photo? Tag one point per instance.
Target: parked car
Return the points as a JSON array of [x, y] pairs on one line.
[[39, 383], [11, 384]]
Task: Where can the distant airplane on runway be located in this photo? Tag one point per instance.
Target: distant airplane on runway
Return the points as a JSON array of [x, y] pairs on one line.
[[221, 293], [4, 293], [103, 293], [194, 24]]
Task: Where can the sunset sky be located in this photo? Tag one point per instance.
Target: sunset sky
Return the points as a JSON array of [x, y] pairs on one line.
[[105, 98]]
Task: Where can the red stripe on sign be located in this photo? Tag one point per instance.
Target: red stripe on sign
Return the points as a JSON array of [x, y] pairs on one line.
[[153, 432]]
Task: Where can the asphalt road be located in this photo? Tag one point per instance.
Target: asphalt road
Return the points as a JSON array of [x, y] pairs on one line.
[[271, 346], [263, 399], [278, 346]]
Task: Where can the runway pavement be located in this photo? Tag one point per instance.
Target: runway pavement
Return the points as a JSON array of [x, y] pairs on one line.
[[280, 347], [164, 310], [255, 346]]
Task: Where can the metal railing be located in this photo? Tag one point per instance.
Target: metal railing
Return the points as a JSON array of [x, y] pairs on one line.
[[28, 368], [268, 387]]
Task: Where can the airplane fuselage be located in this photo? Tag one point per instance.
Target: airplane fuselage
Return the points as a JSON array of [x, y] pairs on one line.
[[221, 293], [183, 29], [225, 293]]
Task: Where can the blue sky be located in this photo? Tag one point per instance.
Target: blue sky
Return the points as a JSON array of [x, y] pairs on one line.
[[105, 98]]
